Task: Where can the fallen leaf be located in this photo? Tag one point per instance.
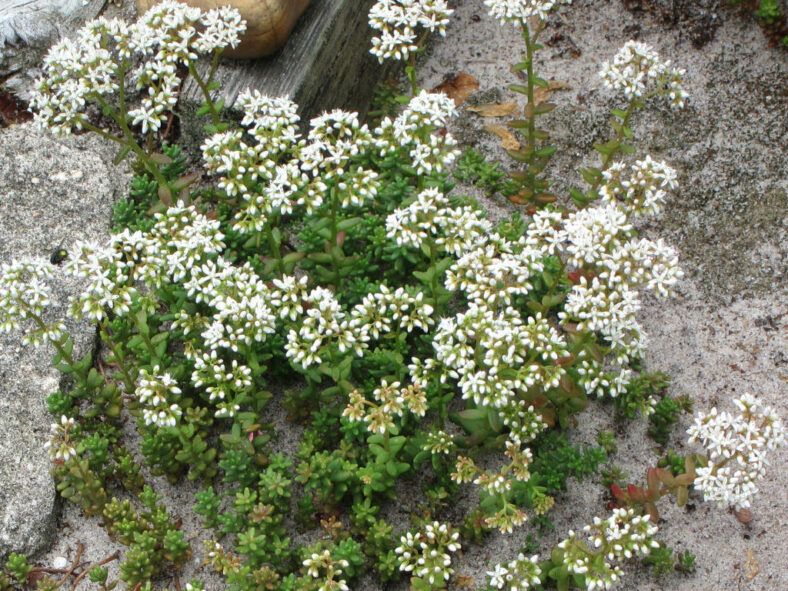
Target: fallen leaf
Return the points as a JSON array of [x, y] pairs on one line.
[[752, 565], [508, 141], [495, 109], [12, 111], [540, 93], [458, 87]]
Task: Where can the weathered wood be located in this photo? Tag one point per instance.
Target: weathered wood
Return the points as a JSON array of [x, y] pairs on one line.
[[324, 65]]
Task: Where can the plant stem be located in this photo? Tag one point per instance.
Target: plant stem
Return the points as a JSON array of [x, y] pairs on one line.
[[531, 136], [607, 160], [127, 141], [434, 278], [410, 71], [204, 87], [119, 357], [335, 261]]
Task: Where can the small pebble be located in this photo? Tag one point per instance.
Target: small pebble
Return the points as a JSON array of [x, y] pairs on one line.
[[59, 562]]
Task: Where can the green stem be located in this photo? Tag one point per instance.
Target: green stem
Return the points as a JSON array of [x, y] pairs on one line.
[[119, 357], [127, 141], [204, 87], [607, 160], [531, 135], [410, 71], [58, 346], [275, 249], [335, 261], [434, 278]]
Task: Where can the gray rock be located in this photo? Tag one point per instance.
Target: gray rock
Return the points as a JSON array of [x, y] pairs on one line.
[[52, 193], [28, 28]]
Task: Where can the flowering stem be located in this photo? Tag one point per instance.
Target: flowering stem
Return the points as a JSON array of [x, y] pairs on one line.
[[333, 243], [275, 249], [434, 278], [129, 142], [410, 71], [58, 346], [607, 160], [530, 50], [204, 87], [118, 356]]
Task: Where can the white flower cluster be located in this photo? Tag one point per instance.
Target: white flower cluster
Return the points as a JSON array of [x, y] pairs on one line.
[[518, 11], [736, 447], [426, 553], [91, 68], [413, 129], [637, 71], [111, 273], [439, 442], [115, 272], [611, 265], [154, 393], [431, 219], [495, 354], [324, 324], [274, 171], [334, 138], [184, 240], [499, 483], [398, 21], [325, 567], [60, 446], [181, 239], [384, 311], [240, 315], [25, 294], [517, 575], [622, 536], [493, 272], [645, 189], [241, 312]]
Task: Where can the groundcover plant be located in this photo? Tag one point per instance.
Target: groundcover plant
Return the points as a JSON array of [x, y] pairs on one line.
[[417, 343]]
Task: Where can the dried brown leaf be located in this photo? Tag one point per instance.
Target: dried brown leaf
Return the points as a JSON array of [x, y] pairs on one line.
[[751, 565], [495, 109], [11, 110], [458, 87], [541, 94], [508, 141]]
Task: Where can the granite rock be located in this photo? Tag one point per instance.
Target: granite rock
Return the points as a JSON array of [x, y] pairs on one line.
[[52, 193]]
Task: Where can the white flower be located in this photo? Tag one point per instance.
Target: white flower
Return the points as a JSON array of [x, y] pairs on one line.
[[736, 447], [84, 71], [221, 28], [60, 445], [155, 393], [398, 20], [517, 11], [636, 70]]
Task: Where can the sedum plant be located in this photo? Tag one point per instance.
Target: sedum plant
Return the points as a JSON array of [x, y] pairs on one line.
[[329, 261]]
